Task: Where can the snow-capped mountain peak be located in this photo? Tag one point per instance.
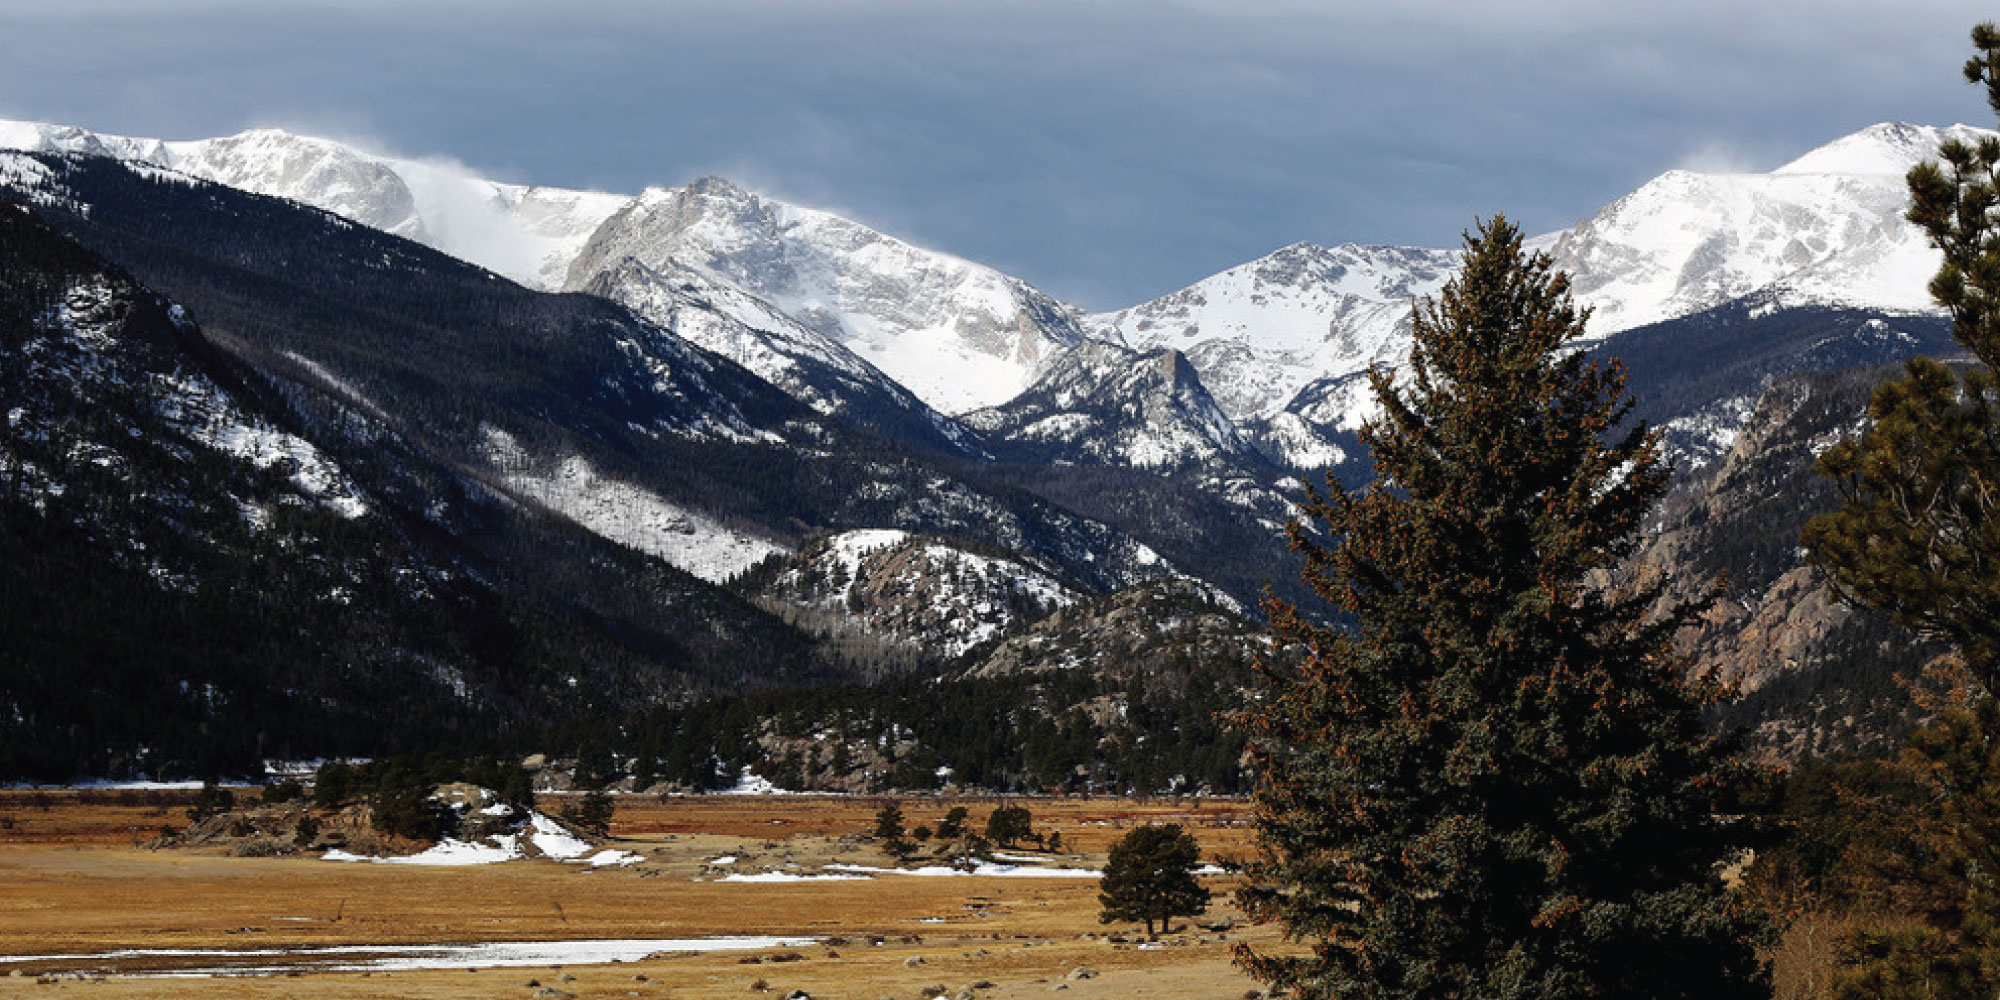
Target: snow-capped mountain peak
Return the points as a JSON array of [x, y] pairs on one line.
[[529, 234], [1262, 331], [1825, 229], [1887, 149], [957, 334]]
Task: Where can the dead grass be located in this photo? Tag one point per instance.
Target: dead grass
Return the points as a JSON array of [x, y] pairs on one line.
[[71, 881]]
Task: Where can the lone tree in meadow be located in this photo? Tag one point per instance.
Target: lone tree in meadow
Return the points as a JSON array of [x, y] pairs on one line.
[[1010, 824], [1494, 782], [1150, 876]]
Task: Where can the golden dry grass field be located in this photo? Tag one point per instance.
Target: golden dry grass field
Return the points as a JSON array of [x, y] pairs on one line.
[[76, 880]]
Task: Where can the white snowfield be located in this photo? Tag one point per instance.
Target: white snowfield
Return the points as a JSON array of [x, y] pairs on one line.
[[1824, 229], [957, 334], [1260, 332]]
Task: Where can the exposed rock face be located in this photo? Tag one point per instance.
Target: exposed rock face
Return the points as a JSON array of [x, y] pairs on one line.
[[1102, 404], [1260, 332], [913, 593], [1817, 675], [1152, 634]]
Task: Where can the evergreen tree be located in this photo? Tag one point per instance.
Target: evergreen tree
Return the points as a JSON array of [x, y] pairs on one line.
[[889, 822], [593, 812], [214, 800], [1918, 534], [1917, 538], [1496, 783], [1150, 876], [1008, 824]]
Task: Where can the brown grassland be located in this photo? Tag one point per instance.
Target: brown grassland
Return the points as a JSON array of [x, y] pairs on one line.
[[76, 878]]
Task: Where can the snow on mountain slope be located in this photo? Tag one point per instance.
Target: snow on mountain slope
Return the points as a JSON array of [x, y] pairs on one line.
[[627, 514], [1282, 341], [529, 234], [1825, 229], [1108, 405], [1261, 331], [818, 371], [958, 335], [91, 349], [916, 590]]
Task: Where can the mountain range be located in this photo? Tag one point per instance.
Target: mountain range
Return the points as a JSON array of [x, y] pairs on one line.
[[822, 443]]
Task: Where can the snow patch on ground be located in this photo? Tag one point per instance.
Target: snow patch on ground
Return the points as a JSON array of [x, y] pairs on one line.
[[400, 957], [447, 853], [542, 834], [981, 869], [553, 841], [778, 877], [751, 784]]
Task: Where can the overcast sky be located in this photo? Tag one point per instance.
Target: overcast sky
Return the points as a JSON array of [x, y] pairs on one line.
[[1106, 150]]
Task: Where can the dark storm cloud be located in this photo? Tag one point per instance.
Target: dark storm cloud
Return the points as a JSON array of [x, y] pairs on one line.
[[1107, 151]]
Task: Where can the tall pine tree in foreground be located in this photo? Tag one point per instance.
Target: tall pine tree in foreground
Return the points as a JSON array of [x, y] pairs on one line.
[[1496, 784], [1918, 534], [1917, 538]]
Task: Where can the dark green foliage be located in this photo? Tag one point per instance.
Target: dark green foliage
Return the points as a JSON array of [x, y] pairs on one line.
[[401, 805], [1946, 874], [1857, 838], [1150, 877], [952, 825], [1497, 784], [288, 790], [592, 812], [1008, 825], [889, 830], [507, 778], [333, 784], [306, 832], [213, 801], [1918, 539], [1018, 733], [889, 822]]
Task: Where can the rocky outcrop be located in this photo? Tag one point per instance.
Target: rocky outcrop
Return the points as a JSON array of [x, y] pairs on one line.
[[1816, 674]]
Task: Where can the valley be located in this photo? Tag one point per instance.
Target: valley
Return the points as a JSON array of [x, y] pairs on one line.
[[577, 460], [73, 881]]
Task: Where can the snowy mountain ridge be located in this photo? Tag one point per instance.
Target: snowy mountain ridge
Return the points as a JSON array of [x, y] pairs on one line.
[[1261, 331], [1825, 229], [1283, 341], [847, 319], [957, 334], [529, 234]]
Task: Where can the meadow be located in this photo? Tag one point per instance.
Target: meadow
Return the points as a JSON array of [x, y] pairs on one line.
[[77, 879]]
